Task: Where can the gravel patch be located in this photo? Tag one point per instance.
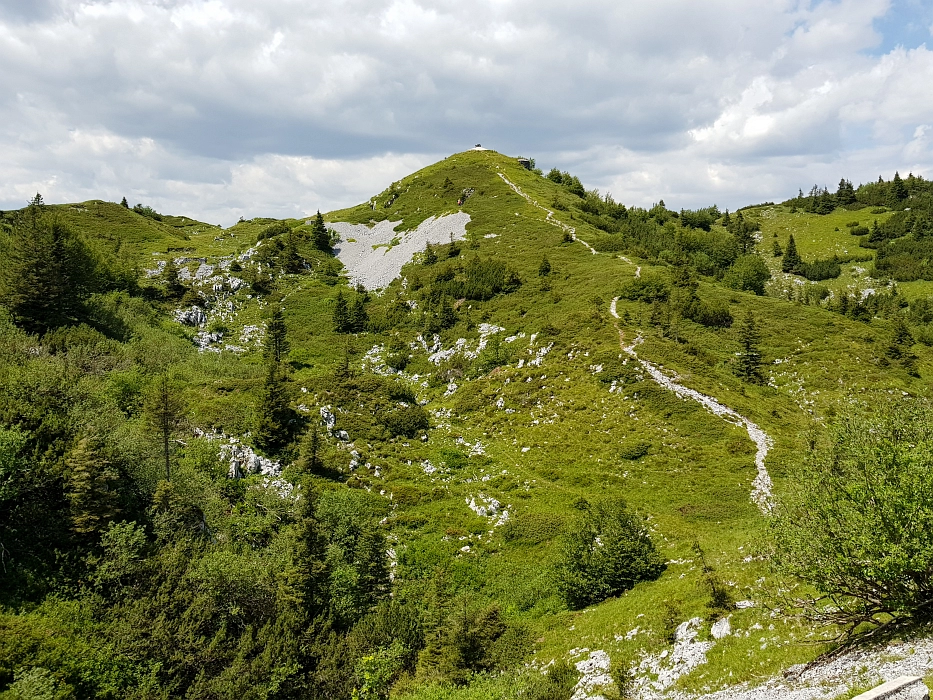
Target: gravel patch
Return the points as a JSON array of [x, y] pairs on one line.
[[375, 267]]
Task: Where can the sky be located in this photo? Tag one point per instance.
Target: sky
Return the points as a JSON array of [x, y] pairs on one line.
[[226, 108]]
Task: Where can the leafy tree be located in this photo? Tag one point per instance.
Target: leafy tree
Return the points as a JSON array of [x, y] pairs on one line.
[[749, 360], [47, 270], [544, 269], [791, 261], [341, 314], [856, 520], [92, 488], [748, 274], [276, 343], [606, 553], [163, 409], [319, 235]]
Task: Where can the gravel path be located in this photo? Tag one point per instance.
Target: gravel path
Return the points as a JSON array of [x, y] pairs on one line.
[[761, 486], [550, 215], [372, 260]]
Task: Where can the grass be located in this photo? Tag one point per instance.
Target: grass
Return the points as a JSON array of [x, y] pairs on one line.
[[560, 435]]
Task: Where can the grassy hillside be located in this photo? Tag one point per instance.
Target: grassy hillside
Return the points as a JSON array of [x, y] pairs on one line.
[[533, 409]]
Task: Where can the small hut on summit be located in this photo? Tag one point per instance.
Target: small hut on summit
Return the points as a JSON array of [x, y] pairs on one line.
[[524, 162]]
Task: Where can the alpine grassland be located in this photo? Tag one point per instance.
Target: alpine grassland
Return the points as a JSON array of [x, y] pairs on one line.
[[229, 471]]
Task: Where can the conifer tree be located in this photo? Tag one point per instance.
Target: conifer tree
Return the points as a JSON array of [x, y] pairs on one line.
[[276, 343], [898, 188], [359, 319], [92, 488], [429, 257], [125, 204], [46, 272], [544, 269], [899, 348], [743, 233], [170, 279], [791, 261], [341, 314], [447, 316], [163, 409], [319, 235], [274, 412], [726, 219], [749, 360], [292, 262]]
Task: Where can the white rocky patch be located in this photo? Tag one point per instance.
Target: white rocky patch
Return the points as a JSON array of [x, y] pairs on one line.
[[594, 674], [371, 258], [243, 460], [658, 672], [488, 507]]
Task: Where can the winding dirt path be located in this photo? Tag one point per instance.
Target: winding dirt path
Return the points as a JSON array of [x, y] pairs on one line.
[[761, 486], [550, 215]]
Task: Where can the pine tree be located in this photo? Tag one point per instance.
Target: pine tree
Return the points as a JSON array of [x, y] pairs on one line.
[[743, 233], [898, 188], [791, 261], [124, 203], [319, 235], [899, 349], [749, 361], [274, 413], [46, 272], [544, 269], [359, 319], [429, 257], [726, 219], [341, 314], [276, 343], [776, 248], [92, 488], [163, 409]]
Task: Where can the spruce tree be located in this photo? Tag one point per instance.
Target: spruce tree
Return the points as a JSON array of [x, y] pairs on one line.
[[47, 270], [173, 285], [749, 361], [292, 262], [791, 261], [273, 411], [898, 188], [163, 409], [743, 233], [429, 257], [899, 348], [125, 204], [91, 488], [319, 235], [544, 269], [447, 316], [276, 344], [359, 319], [341, 314]]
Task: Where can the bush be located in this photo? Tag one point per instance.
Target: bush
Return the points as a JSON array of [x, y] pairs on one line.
[[406, 420], [647, 288], [856, 522], [605, 554], [748, 274], [819, 270]]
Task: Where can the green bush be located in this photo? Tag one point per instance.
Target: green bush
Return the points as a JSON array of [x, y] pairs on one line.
[[748, 274], [408, 421], [606, 553]]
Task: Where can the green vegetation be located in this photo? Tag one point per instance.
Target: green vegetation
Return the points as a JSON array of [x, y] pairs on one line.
[[224, 471]]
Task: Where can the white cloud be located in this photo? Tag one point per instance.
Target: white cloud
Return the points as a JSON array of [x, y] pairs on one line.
[[222, 108]]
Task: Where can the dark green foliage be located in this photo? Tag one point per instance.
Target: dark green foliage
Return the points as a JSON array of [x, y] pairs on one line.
[[47, 270], [341, 314], [776, 249], [899, 348], [359, 319], [701, 218], [647, 288], [533, 528], [124, 203], [845, 193], [606, 553], [480, 279], [429, 257], [148, 212], [275, 346], [291, 259], [557, 684], [278, 228], [743, 231], [819, 270], [855, 522], [898, 189], [275, 417], [748, 274], [319, 234], [163, 409], [173, 285], [544, 269], [409, 421], [749, 361], [791, 259]]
